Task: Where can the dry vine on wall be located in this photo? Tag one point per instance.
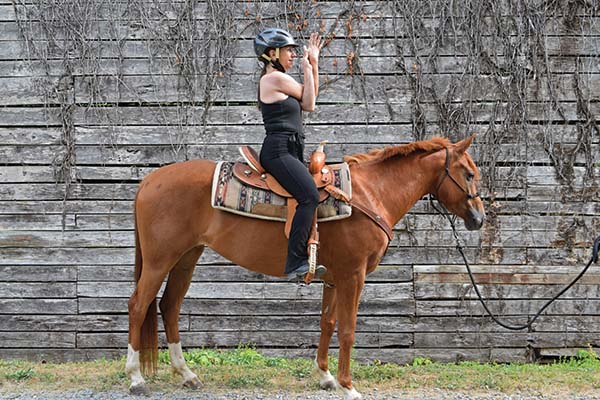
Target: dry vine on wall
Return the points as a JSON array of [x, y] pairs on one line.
[[77, 50], [489, 67]]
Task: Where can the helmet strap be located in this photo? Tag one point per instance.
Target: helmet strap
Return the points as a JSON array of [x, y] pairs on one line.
[[266, 57], [274, 61], [277, 65]]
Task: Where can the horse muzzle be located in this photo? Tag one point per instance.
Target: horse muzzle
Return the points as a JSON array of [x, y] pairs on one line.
[[475, 220]]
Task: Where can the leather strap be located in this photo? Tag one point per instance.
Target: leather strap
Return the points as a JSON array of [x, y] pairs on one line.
[[378, 219], [292, 204]]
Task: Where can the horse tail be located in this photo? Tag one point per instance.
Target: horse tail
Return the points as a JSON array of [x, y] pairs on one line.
[[149, 330]]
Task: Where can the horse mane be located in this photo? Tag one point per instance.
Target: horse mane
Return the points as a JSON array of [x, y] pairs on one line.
[[403, 150]]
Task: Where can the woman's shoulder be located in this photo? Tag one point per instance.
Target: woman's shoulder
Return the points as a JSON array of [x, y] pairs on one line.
[[276, 81], [276, 76]]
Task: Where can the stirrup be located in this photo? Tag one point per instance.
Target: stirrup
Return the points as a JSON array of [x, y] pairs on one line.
[[300, 272]]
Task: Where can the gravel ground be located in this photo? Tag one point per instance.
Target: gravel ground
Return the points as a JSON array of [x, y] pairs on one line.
[[258, 395]]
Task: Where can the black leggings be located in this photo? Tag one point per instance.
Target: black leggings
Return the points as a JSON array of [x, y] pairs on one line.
[[277, 158]]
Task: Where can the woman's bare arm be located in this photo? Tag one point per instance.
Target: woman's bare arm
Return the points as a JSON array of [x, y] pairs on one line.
[[315, 44], [279, 82]]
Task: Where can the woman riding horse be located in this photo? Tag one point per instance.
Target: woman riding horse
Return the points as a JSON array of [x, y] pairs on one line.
[[281, 100]]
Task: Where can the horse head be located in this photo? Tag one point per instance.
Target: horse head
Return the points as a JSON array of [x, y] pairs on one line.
[[457, 185]]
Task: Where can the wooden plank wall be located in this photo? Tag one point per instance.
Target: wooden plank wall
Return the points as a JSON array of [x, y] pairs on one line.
[[67, 248]]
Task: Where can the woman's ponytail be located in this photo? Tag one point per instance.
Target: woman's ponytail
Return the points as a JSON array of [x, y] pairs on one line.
[[262, 73]]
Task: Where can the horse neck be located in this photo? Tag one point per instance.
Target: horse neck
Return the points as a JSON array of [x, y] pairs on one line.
[[394, 185]]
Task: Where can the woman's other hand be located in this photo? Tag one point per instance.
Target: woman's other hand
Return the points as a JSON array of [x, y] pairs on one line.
[[315, 44]]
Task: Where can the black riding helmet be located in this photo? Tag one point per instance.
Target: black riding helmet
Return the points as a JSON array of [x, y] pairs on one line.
[[272, 38]]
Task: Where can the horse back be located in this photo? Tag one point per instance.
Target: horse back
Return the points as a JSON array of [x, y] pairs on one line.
[[175, 198], [181, 173]]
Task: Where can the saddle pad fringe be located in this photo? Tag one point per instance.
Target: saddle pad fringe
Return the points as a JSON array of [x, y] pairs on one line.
[[230, 194]]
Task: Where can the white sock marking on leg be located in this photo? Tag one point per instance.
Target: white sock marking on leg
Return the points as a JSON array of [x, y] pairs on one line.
[[132, 367], [178, 362], [351, 394]]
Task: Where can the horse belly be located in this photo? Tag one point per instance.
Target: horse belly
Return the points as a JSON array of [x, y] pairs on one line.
[[255, 244]]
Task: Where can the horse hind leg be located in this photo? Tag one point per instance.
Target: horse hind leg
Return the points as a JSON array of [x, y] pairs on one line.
[[142, 349], [170, 307], [328, 320]]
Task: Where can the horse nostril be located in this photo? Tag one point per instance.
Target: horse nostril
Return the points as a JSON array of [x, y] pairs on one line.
[[477, 219]]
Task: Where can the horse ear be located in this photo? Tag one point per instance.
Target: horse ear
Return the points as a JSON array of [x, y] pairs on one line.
[[464, 144]]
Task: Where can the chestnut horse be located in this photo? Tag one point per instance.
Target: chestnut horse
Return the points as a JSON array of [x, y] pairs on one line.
[[174, 221]]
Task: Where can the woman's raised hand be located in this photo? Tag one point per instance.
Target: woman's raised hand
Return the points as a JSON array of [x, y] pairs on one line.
[[315, 44]]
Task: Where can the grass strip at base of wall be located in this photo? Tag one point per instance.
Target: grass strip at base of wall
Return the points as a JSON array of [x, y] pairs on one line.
[[246, 368]]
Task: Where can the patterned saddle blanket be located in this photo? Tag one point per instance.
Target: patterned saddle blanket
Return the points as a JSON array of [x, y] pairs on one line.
[[232, 195]]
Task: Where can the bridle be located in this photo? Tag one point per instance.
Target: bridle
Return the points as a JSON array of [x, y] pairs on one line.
[[444, 211], [447, 167], [452, 220]]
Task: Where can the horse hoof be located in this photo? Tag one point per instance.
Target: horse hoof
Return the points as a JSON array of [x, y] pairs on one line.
[[139, 390], [351, 394], [193, 384], [326, 380], [328, 385]]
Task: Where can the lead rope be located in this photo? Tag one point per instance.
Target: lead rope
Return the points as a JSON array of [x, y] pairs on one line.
[[459, 247]]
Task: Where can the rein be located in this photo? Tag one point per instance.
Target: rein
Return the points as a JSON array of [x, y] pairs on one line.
[[452, 220]]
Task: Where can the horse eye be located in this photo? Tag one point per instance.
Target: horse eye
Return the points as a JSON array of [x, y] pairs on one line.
[[470, 176]]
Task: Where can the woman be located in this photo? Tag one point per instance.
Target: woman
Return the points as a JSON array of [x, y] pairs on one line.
[[282, 100]]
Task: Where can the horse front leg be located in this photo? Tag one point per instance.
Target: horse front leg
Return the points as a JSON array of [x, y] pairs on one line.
[[328, 320], [349, 289]]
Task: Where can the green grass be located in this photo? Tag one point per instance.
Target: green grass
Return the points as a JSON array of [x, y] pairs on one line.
[[246, 368], [20, 375]]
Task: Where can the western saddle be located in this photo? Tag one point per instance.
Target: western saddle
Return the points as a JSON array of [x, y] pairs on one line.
[[253, 174]]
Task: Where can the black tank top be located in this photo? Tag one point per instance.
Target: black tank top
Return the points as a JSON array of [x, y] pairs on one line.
[[282, 116]]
